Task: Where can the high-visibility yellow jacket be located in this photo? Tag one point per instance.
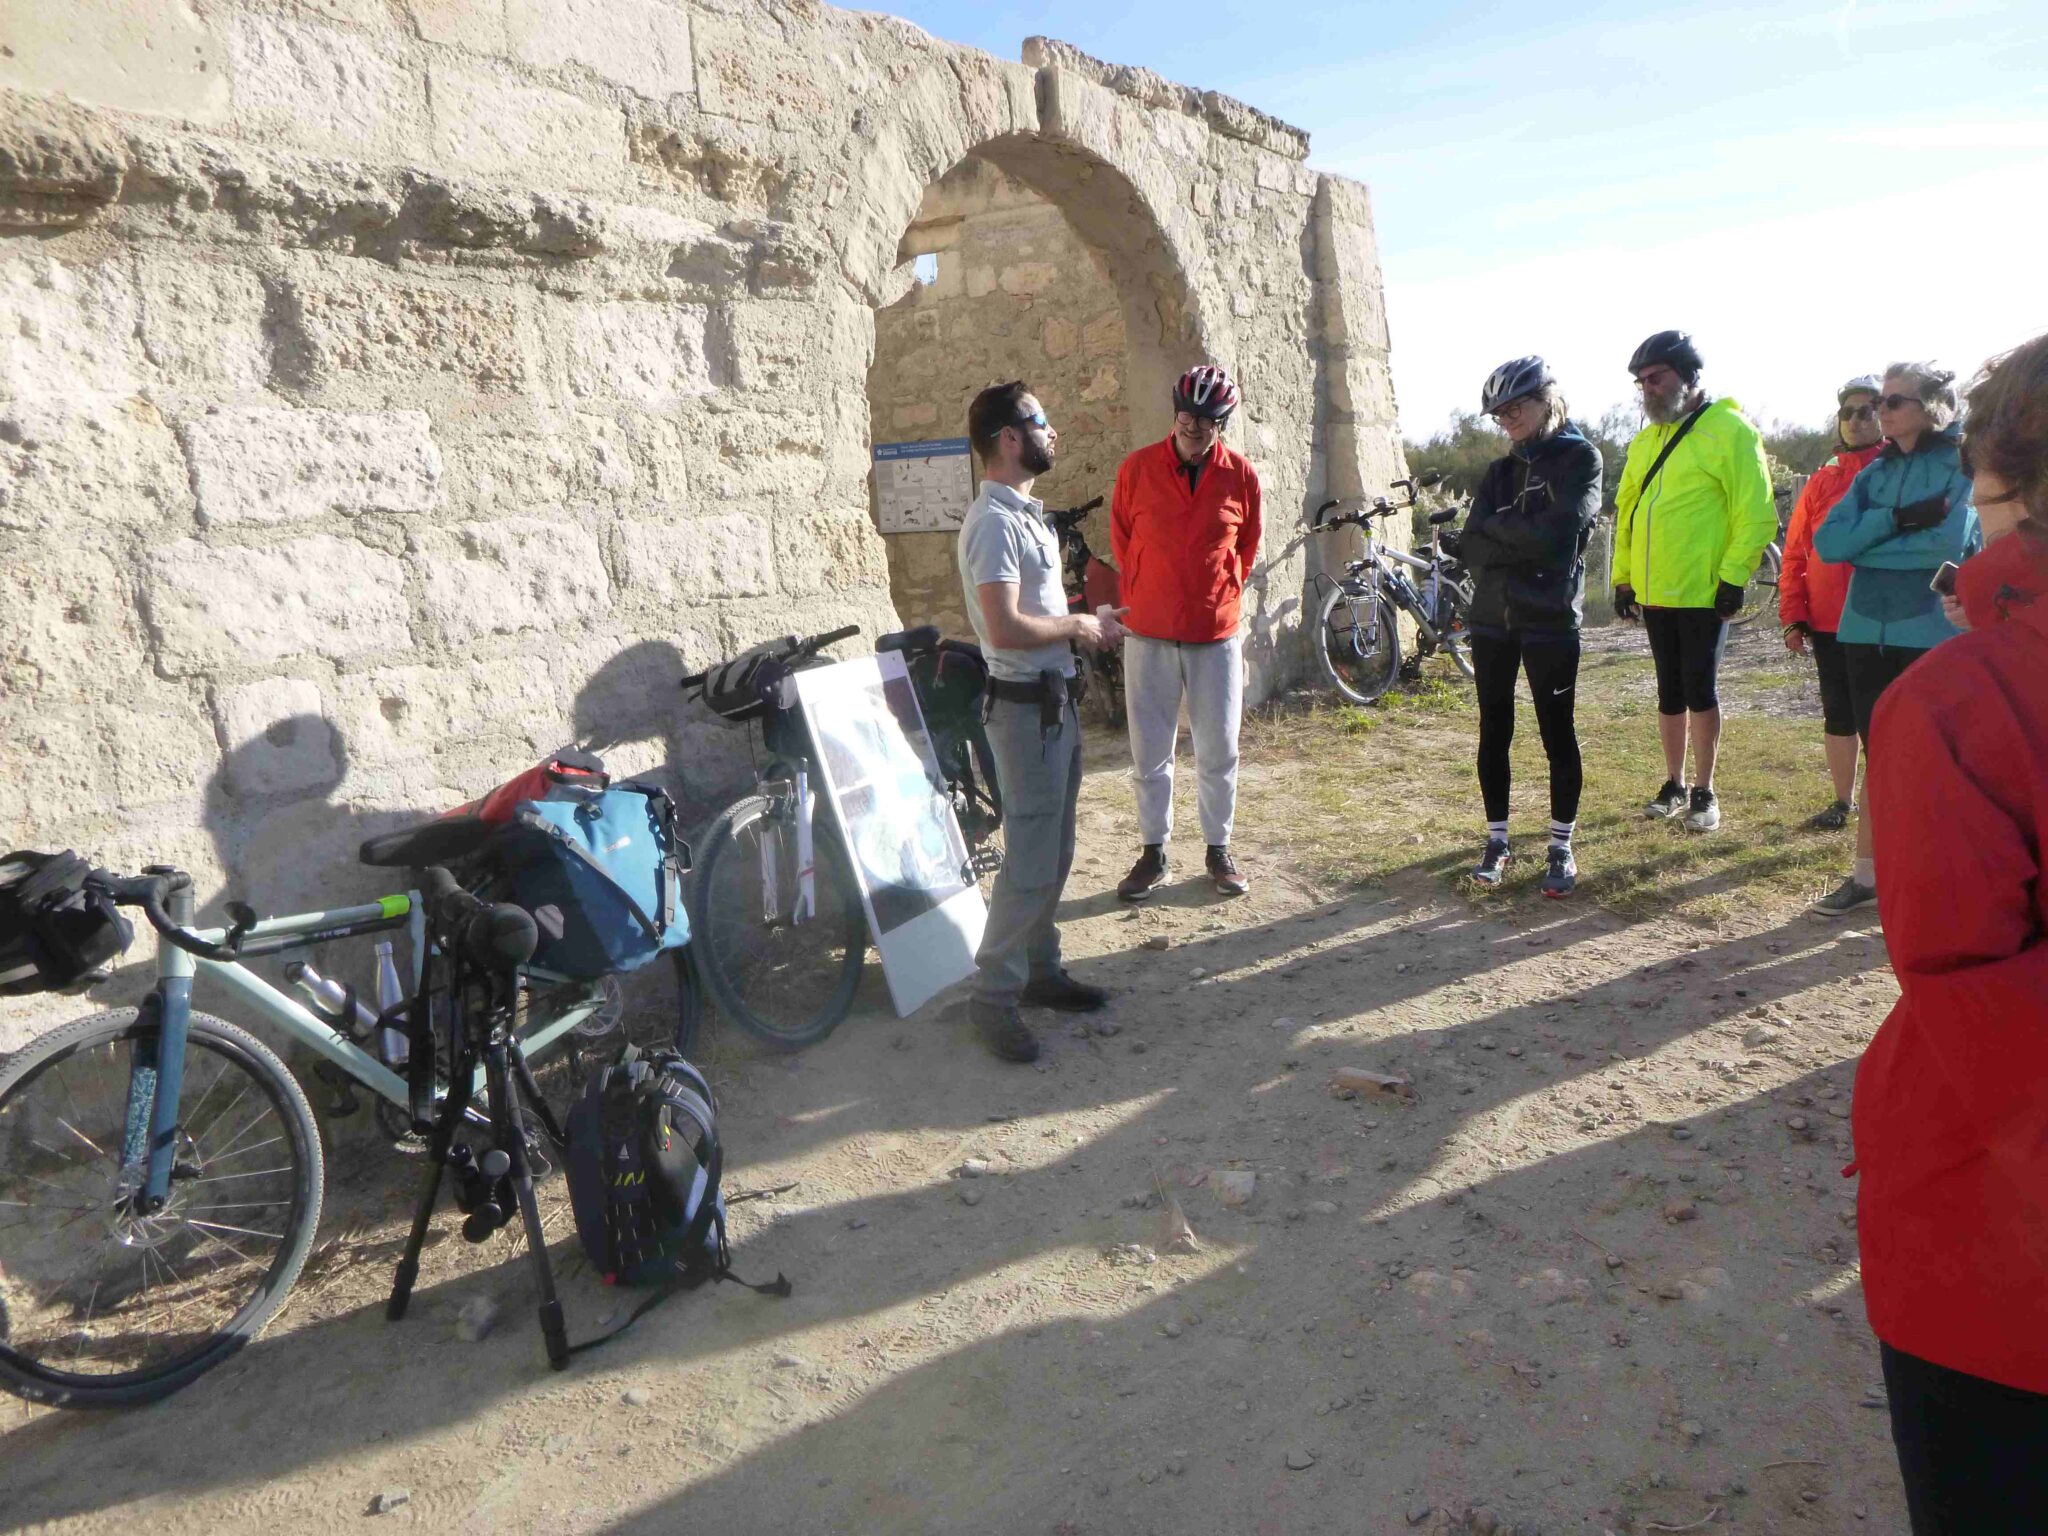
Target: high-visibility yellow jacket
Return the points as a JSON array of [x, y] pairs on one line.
[[1704, 520]]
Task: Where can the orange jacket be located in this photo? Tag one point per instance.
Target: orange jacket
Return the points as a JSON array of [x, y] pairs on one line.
[[1184, 554], [1811, 591]]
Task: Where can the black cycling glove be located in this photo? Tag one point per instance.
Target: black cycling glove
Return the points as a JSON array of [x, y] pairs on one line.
[[1625, 602], [1917, 515], [1728, 600]]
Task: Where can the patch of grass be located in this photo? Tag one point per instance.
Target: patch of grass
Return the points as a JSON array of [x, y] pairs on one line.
[[1355, 797]]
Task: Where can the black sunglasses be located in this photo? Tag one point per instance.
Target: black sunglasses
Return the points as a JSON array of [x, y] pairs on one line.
[[1900, 402], [1856, 413]]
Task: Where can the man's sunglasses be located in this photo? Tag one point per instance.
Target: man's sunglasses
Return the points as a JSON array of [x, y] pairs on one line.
[[1900, 402], [1856, 413], [1035, 419]]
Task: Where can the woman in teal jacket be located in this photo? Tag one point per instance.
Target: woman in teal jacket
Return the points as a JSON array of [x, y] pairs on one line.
[[1904, 516]]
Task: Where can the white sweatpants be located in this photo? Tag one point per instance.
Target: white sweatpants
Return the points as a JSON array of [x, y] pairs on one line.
[[1158, 674]]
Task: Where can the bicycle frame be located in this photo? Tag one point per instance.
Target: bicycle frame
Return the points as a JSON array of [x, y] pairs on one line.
[[157, 1074], [1377, 558]]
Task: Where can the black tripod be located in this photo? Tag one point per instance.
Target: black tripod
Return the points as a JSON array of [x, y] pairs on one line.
[[488, 945]]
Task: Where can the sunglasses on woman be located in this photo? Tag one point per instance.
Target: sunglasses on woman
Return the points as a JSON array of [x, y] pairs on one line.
[[1856, 413], [1900, 402]]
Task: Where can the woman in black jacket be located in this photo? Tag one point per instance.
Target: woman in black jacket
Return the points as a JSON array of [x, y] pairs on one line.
[[1525, 544]]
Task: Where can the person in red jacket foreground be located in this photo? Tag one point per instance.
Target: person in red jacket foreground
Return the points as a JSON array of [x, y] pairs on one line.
[[1951, 1105], [1811, 591], [1184, 529]]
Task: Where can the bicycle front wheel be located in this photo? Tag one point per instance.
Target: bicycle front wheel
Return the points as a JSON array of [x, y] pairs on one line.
[[1358, 644], [103, 1304], [786, 981]]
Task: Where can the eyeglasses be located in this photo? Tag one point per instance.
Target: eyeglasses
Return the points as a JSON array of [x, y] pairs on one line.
[[1856, 413], [1900, 402], [1035, 419], [1512, 409]]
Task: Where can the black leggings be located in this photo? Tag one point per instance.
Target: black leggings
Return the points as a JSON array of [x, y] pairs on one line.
[[1970, 1450], [1686, 644], [1552, 662]]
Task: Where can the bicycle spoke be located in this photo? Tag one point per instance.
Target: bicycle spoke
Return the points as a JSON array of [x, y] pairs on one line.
[[221, 1226]]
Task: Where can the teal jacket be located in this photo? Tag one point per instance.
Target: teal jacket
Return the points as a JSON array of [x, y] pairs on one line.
[[1890, 603]]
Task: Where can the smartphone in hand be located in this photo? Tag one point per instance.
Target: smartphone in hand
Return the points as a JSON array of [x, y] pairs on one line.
[[1944, 580]]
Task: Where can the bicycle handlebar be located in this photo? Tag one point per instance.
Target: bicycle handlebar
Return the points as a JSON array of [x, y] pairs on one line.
[[1072, 515], [797, 649]]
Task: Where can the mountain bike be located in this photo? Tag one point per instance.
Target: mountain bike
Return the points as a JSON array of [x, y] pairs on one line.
[[776, 911], [161, 1170], [1091, 585], [1760, 596], [1358, 638]]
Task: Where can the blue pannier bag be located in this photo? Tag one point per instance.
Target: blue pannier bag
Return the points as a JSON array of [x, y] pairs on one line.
[[602, 874]]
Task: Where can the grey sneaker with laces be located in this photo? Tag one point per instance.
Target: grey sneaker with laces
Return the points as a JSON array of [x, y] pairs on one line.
[[1561, 878], [1852, 895], [1493, 864], [1705, 814]]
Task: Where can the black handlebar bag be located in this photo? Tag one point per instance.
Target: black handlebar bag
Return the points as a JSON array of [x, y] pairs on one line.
[[54, 930]]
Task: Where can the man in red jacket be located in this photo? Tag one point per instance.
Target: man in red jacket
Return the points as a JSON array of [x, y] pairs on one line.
[[1184, 528], [1951, 1103], [1811, 591]]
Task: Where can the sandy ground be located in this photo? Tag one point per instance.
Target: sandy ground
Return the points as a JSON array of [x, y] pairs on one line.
[[1598, 1275]]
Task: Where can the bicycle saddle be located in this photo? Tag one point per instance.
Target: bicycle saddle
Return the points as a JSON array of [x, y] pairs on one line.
[[909, 641], [431, 842], [1437, 519]]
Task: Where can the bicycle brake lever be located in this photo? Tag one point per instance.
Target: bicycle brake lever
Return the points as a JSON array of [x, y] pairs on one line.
[[241, 918]]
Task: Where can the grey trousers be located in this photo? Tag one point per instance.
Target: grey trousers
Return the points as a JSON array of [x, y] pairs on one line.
[[1041, 783], [1158, 674]]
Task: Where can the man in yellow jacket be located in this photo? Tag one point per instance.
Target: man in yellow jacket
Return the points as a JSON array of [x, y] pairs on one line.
[[1692, 516]]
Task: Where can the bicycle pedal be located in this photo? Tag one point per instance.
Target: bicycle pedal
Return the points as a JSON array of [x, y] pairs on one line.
[[344, 1102], [985, 861]]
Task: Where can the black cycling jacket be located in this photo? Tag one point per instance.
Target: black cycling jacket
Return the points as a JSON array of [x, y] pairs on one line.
[[1524, 540]]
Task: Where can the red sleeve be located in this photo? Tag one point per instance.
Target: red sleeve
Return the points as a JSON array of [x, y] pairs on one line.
[[1794, 606], [1121, 515], [1253, 527], [1957, 868]]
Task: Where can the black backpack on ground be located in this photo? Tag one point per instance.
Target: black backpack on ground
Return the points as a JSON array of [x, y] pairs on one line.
[[54, 931], [643, 1166]]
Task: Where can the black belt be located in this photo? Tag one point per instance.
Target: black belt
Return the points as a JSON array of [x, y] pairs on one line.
[[1050, 691]]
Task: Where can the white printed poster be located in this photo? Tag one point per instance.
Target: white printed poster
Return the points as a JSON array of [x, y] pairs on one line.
[[923, 487], [909, 859]]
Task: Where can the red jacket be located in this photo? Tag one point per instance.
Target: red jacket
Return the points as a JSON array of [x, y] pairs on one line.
[[1951, 1106], [1811, 591], [1184, 555]]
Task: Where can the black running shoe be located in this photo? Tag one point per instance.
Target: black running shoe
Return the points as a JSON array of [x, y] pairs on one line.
[[1146, 876], [1670, 802]]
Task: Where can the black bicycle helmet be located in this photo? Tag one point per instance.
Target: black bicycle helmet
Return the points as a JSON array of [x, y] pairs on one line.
[[1513, 380], [1674, 349]]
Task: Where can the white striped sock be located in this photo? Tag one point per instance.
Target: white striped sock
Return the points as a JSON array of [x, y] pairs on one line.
[[1561, 833], [1496, 831]]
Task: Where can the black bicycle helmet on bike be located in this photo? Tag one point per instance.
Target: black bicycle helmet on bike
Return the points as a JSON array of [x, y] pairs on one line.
[[1674, 349], [1512, 381], [1205, 390]]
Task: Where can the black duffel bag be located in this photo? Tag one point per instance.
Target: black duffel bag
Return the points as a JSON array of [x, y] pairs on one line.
[[55, 930]]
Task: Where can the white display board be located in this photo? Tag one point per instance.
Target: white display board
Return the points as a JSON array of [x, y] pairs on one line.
[[923, 487], [908, 856]]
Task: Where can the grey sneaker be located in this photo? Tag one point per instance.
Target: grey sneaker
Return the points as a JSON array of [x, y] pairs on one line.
[[1493, 863], [1705, 814], [1562, 877], [1670, 802], [1850, 896]]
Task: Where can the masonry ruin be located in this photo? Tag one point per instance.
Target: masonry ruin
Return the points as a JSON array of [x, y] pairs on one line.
[[391, 390]]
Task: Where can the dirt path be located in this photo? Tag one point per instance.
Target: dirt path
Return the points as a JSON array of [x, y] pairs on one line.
[[1598, 1276]]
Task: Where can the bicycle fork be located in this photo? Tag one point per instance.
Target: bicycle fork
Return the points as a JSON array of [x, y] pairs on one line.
[[156, 1074], [803, 811]]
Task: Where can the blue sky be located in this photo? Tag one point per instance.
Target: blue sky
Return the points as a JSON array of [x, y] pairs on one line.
[[1814, 189]]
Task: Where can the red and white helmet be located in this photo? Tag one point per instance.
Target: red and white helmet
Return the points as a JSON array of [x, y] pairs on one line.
[[1205, 390]]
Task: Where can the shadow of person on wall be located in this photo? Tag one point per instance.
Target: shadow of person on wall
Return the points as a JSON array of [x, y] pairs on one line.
[[634, 703]]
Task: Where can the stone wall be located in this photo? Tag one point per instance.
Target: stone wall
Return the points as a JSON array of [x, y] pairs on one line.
[[394, 389], [1016, 294]]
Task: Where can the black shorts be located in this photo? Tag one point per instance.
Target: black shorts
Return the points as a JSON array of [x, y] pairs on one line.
[[1872, 669], [1686, 644], [1837, 703]]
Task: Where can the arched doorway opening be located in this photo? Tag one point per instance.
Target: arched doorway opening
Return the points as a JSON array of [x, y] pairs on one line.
[[1032, 260]]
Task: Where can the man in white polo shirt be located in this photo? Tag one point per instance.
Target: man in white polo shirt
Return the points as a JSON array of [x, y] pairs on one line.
[[1010, 570]]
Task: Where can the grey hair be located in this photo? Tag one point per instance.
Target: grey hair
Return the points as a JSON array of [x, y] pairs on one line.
[[1936, 388], [1555, 412]]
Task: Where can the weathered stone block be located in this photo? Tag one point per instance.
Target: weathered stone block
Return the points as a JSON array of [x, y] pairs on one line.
[[590, 459], [648, 354], [762, 454], [397, 714], [643, 45], [410, 331], [139, 58], [478, 25], [499, 126], [202, 325], [823, 551], [58, 164], [265, 465], [67, 330], [278, 738], [67, 626], [231, 607], [87, 463], [695, 561], [503, 577], [772, 349], [319, 85]]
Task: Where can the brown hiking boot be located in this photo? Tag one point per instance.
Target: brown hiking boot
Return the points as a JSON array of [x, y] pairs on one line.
[[1230, 880], [1146, 876]]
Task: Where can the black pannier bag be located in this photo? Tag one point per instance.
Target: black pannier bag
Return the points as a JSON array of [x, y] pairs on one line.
[[951, 680], [54, 930]]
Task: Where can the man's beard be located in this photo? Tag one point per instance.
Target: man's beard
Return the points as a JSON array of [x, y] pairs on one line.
[[1036, 458], [1662, 410]]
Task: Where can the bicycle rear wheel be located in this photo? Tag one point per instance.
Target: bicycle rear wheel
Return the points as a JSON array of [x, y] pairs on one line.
[[789, 983], [1761, 595], [1358, 644], [102, 1305], [1457, 633], [562, 1072]]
